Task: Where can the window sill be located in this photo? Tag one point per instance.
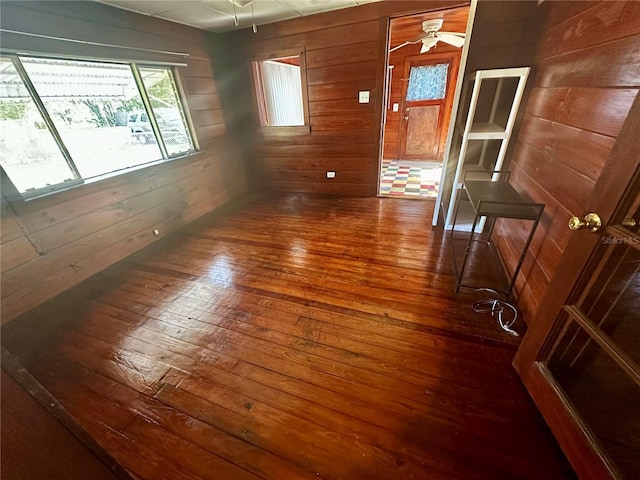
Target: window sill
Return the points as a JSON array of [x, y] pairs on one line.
[[284, 131], [23, 205]]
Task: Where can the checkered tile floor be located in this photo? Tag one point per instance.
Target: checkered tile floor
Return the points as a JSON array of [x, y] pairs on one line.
[[410, 179]]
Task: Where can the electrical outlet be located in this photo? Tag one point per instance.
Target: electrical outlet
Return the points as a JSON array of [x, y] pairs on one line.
[[363, 96], [331, 174]]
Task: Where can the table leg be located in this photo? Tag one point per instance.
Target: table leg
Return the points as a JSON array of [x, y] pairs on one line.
[[522, 255], [466, 253]]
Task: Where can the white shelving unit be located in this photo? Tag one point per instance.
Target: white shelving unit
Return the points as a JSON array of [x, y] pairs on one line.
[[492, 128]]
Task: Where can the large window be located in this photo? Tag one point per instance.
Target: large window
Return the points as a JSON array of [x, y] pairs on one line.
[[280, 84], [66, 121]]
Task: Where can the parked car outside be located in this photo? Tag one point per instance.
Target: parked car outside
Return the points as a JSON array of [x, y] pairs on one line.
[[169, 122]]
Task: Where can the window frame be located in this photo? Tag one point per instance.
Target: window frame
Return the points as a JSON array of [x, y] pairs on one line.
[[24, 77], [258, 92], [15, 197]]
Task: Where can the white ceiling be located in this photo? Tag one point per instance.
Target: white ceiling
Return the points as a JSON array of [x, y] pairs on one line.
[[218, 15]]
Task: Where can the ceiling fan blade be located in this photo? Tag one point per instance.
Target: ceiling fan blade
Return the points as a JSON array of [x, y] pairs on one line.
[[451, 39], [399, 46], [459, 34], [431, 37], [428, 43], [410, 42]]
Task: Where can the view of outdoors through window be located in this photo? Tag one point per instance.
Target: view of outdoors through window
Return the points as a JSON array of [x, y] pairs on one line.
[[166, 108], [98, 112], [88, 103], [28, 152]]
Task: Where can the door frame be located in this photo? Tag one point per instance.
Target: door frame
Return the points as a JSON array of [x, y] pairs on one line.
[[444, 103], [454, 108], [615, 189], [383, 72]]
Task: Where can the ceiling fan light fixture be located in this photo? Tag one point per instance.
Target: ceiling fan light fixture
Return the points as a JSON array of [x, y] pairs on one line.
[[428, 43], [432, 25]]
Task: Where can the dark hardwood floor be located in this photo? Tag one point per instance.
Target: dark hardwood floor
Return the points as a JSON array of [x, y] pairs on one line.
[[48, 451], [295, 336]]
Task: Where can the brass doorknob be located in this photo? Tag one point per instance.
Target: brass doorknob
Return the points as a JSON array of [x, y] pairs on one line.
[[629, 222], [591, 221], [406, 117]]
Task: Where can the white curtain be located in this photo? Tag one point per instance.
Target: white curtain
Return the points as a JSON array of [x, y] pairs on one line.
[[283, 93]]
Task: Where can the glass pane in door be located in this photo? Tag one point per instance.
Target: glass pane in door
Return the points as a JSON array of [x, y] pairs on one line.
[[427, 82], [613, 301], [605, 396], [597, 355]]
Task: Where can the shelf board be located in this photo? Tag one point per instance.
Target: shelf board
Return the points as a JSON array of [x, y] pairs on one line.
[[486, 131], [475, 172], [500, 200]]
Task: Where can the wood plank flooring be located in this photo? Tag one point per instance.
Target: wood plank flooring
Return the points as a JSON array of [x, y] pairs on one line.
[[294, 336], [50, 451]]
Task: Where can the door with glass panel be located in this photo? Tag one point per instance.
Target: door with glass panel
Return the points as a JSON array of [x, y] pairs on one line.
[[595, 357], [424, 98], [580, 359]]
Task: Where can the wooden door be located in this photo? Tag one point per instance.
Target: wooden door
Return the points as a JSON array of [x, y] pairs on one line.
[[424, 99], [580, 358]]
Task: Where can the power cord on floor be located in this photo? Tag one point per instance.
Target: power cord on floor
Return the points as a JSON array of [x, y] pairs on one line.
[[496, 306]]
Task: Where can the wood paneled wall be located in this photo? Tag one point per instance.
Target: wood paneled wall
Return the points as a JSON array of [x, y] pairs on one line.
[[504, 34], [587, 74], [52, 243], [345, 53]]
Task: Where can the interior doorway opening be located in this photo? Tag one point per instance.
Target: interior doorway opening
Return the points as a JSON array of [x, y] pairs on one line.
[[423, 64]]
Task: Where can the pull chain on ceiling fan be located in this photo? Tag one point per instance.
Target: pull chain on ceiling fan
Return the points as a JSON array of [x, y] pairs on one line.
[[433, 35], [242, 4]]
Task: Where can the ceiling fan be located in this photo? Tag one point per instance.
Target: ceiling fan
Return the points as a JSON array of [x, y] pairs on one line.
[[433, 35]]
